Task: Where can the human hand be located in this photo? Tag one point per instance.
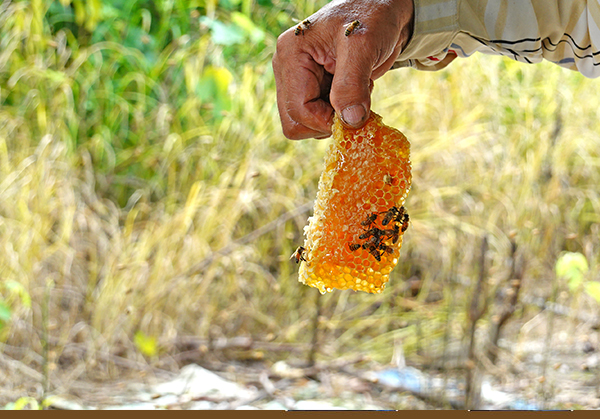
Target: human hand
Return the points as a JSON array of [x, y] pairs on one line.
[[322, 70]]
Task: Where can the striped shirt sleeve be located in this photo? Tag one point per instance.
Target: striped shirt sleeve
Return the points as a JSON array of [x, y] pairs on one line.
[[565, 32]]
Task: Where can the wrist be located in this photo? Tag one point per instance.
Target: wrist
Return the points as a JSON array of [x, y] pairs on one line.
[[406, 22], [435, 24]]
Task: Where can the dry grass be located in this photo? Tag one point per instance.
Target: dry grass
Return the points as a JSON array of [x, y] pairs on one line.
[[498, 149]]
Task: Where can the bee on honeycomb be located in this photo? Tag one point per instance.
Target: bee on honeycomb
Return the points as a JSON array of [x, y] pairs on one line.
[[393, 213], [405, 220], [369, 220], [354, 246]]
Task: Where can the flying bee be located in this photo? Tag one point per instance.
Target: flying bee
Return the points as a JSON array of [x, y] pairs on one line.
[[298, 254], [354, 246], [369, 220], [303, 26], [351, 27]]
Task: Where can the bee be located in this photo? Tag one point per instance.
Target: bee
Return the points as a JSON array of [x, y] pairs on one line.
[[405, 220], [354, 246], [373, 241], [298, 254], [351, 27], [386, 249], [375, 232], [303, 26], [388, 179], [391, 214], [373, 250], [394, 214], [369, 220], [393, 234]]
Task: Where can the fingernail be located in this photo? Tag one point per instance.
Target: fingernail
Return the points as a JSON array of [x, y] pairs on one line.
[[354, 115]]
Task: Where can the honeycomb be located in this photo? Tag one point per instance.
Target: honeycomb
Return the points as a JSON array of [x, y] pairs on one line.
[[353, 239]]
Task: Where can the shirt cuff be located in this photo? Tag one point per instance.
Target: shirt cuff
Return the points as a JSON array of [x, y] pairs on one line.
[[435, 25]]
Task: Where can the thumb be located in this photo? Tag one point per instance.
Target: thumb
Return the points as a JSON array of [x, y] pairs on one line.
[[351, 88]]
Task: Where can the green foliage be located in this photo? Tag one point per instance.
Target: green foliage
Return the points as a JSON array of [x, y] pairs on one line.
[[24, 403], [5, 314], [145, 344], [573, 267], [593, 290], [17, 289], [13, 293], [116, 77], [28, 403], [213, 88]]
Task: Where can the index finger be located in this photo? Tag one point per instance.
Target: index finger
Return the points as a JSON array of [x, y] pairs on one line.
[[302, 92]]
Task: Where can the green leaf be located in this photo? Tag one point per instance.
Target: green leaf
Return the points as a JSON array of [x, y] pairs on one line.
[[221, 76], [93, 14], [254, 32], [593, 289], [145, 344], [24, 402], [223, 34], [213, 88], [5, 312], [572, 266], [18, 288], [229, 4]]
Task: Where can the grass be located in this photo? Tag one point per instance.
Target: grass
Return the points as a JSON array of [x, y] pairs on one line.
[[121, 179]]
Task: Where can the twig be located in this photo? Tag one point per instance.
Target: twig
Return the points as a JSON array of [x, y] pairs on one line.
[[551, 306], [420, 338], [511, 296], [548, 344], [240, 342], [82, 351], [314, 347], [269, 390], [476, 310], [13, 364], [448, 329], [44, 340]]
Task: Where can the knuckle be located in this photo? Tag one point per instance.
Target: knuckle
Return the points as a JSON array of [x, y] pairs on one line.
[[290, 131], [283, 40]]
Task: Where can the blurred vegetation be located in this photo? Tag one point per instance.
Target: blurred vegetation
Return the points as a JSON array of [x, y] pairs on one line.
[[139, 138]]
